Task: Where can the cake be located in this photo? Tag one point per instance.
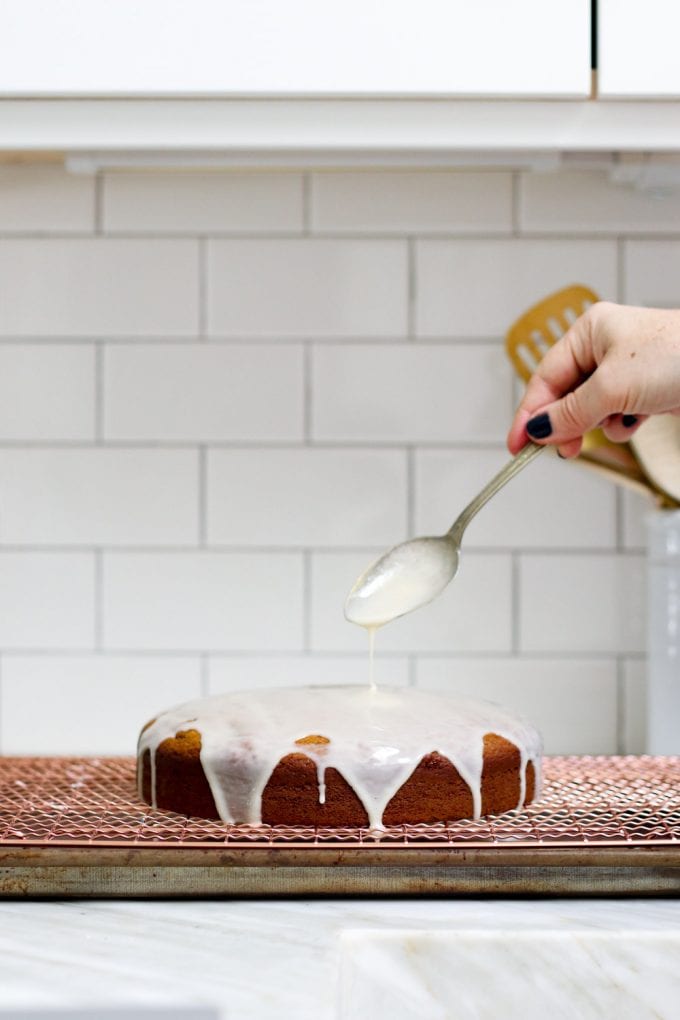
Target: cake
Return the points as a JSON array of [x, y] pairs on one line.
[[338, 756]]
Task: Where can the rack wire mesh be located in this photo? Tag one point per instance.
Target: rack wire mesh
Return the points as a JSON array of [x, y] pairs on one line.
[[586, 801]]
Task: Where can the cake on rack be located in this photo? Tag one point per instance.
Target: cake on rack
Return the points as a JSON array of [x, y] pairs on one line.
[[338, 756]]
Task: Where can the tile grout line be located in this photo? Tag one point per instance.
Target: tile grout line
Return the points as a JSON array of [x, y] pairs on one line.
[[307, 394], [225, 549], [99, 393], [620, 269], [619, 521], [99, 601], [515, 596], [476, 654], [620, 705], [306, 205], [307, 602], [515, 204], [412, 289], [283, 445], [203, 496], [202, 289], [425, 234], [98, 194], [354, 340], [551, 234], [410, 491]]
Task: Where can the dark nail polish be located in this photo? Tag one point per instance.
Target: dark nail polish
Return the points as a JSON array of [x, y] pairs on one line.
[[629, 420], [539, 427]]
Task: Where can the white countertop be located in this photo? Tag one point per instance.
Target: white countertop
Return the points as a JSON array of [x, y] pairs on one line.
[[257, 960]]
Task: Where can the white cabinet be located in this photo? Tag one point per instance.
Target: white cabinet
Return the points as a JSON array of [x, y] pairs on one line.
[[638, 49], [406, 48]]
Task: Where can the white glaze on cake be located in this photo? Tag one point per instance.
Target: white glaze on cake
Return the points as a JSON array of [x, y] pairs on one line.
[[377, 737]]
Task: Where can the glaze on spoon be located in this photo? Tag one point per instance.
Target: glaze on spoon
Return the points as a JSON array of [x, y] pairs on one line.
[[414, 573]]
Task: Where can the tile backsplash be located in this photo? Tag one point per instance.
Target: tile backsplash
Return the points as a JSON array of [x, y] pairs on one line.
[[222, 393]]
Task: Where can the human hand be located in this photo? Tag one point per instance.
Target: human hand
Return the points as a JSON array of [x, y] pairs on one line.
[[614, 367]]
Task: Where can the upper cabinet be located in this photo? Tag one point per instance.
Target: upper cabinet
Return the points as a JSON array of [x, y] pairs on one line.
[[300, 48], [638, 49]]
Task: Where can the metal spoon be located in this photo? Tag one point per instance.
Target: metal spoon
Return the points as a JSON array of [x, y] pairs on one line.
[[413, 573]]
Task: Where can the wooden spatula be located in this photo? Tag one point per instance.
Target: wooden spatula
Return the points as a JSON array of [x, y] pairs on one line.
[[527, 341]]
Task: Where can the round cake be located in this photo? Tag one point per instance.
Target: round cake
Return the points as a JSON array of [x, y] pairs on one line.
[[338, 756]]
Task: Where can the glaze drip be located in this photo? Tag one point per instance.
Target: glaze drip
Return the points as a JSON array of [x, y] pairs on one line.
[[375, 738]]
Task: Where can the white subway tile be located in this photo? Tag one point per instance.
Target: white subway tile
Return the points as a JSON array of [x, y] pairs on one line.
[[582, 603], [47, 392], [46, 600], [238, 673], [98, 496], [587, 202], [203, 601], [89, 704], [473, 613], [44, 197], [203, 392], [572, 702], [551, 503], [439, 202], [307, 288], [478, 288], [635, 510], [306, 497], [99, 287], [634, 706], [410, 393], [206, 202], [651, 273]]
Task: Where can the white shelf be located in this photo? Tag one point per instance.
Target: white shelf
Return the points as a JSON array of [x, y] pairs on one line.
[[334, 132]]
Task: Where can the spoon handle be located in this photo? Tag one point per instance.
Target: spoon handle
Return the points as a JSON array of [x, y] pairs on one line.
[[512, 468]]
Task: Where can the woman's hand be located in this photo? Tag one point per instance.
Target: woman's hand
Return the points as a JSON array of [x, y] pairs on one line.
[[614, 367]]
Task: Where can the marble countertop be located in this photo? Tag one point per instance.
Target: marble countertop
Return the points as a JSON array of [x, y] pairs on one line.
[[341, 959]]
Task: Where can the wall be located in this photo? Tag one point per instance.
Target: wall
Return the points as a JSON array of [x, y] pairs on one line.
[[222, 394]]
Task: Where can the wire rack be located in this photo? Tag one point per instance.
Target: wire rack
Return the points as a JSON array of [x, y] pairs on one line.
[[586, 801]]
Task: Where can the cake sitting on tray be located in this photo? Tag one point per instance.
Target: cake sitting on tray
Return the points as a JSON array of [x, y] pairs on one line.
[[338, 756]]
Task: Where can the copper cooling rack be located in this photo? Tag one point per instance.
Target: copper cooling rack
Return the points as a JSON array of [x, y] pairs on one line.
[[75, 826]]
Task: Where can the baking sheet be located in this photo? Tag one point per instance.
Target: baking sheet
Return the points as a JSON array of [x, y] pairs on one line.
[[75, 827]]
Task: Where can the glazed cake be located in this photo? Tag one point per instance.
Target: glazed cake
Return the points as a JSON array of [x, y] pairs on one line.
[[338, 756]]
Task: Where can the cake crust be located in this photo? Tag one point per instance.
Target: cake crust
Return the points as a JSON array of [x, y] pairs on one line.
[[434, 792]]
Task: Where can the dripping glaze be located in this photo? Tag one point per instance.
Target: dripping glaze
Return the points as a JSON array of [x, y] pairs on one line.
[[376, 739]]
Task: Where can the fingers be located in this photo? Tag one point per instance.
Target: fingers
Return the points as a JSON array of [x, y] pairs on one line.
[[562, 368], [559, 422], [620, 427], [567, 451], [569, 418]]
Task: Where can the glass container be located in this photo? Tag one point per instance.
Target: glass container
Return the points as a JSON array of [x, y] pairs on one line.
[[663, 632]]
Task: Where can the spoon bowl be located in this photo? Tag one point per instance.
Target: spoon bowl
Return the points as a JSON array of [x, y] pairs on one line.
[[405, 578], [414, 573]]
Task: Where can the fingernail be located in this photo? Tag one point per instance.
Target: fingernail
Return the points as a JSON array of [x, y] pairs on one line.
[[629, 420], [539, 427], [561, 455]]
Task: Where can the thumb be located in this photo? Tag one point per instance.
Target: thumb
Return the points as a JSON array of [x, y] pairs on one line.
[[571, 417]]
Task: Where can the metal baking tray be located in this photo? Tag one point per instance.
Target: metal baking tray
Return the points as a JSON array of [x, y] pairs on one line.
[[75, 827]]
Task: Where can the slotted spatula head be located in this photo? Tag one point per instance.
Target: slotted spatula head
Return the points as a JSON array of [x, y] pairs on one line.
[[538, 329]]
